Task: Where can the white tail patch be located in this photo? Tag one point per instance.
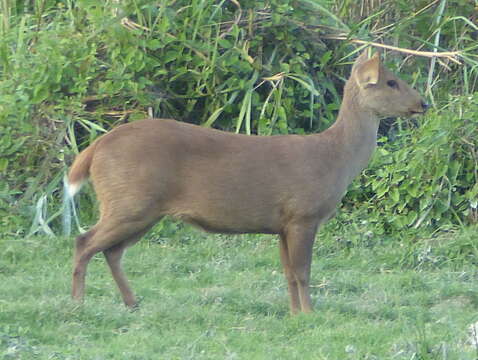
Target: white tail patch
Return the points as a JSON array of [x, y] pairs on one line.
[[73, 188]]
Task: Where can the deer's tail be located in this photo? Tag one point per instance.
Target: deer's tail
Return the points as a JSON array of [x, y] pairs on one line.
[[80, 170]]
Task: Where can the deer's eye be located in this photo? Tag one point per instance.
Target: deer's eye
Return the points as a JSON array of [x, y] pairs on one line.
[[393, 84]]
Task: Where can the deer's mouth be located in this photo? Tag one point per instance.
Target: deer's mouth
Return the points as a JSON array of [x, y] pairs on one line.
[[422, 109], [413, 112]]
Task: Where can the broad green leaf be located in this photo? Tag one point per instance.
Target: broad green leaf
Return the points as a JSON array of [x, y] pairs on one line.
[[3, 164], [395, 195]]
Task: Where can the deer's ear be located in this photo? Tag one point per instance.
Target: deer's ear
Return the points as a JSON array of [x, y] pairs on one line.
[[367, 71], [361, 59]]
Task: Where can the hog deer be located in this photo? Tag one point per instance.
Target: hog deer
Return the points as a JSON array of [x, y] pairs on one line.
[[231, 183]]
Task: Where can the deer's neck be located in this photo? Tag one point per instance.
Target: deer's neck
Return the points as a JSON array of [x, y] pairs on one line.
[[355, 132]]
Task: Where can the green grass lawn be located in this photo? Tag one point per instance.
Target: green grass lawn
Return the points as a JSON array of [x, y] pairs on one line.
[[209, 296]]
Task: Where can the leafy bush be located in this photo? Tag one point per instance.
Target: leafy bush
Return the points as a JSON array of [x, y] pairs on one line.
[[427, 176]]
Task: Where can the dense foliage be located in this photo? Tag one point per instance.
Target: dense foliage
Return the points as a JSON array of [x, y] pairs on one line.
[[72, 70], [428, 175]]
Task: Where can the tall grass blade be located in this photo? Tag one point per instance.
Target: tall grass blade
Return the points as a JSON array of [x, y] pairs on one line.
[[245, 113], [245, 108], [219, 111], [277, 106], [39, 223], [308, 83], [66, 208], [314, 4], [428, 91], [5, 15], [213, 117]]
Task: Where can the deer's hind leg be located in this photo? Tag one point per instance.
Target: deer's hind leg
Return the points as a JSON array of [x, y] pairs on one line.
[[111, 237], [113, 257]]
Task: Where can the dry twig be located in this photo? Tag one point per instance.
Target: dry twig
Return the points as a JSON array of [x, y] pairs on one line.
[[450, 55]]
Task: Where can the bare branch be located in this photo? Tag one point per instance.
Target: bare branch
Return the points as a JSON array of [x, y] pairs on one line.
[[450, 55]]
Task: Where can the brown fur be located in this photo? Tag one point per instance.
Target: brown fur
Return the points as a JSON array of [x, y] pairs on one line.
[[230, 183], [80, 170]]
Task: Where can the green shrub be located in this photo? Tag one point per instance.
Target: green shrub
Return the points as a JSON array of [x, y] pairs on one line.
[[428, 175]]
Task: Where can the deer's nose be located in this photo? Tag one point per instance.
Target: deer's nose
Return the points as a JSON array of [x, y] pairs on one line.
[[425, 106]]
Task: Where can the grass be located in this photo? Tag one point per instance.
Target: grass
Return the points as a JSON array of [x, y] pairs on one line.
[[224, 297]]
